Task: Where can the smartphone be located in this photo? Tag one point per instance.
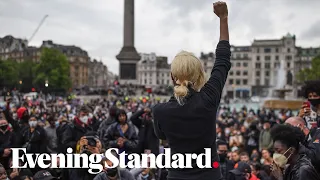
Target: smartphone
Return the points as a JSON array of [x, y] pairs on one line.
[[307, 104]]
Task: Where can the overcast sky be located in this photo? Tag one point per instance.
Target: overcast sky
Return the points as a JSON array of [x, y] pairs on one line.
[[161, 26]]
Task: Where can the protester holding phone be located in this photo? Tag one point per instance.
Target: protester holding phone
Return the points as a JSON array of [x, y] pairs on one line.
[[113, 173], [89, 144], [188, 120], [310, 109]]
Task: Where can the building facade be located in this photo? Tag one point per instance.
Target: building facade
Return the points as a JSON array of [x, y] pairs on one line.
[[238, 84], [78, 60], [18, 50], [153, 71], [267, 56], [97, 74]]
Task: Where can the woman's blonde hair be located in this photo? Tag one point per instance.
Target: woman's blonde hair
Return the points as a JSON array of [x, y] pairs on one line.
[[187, 71]]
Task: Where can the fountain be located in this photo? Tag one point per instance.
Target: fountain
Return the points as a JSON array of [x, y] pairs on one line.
[[281, 101]]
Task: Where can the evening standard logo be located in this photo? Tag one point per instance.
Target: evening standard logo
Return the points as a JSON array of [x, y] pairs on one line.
[[92, 161]]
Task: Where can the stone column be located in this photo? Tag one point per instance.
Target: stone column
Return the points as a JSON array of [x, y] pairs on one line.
[[128, 36]]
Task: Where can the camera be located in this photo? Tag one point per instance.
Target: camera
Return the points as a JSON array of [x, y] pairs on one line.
[[92, 140]]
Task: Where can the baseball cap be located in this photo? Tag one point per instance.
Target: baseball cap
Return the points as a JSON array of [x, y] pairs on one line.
[[241, 168], [43, 175]]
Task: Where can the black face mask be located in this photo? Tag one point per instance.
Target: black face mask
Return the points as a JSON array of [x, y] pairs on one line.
[[314, 102], [112, 172], [3, 128], [223, 157]]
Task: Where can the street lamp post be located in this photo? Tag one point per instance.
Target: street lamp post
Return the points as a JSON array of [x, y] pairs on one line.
[[20, 82], [233, 93], [46, 85]]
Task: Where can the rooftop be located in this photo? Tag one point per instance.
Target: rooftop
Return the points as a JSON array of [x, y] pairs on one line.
[[66, 49]]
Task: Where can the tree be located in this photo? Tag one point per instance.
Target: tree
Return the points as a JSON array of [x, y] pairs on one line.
[[9, 76], [312, 73], [54, 69], [26, 75]]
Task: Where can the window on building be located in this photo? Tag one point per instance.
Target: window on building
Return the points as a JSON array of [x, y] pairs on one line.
[[258, 73], [288, 57], [245, 73], [145, 81], [266, 82], [157, 81], [267, 73], [267, 65], [288, 50], [245, 82], [238, 56], [168, 82], [258, 58], [276, 65], [231, 73], [238, 82], [145, 74], [267, 50], [258, 50], [238, 73], [162, 74], [205, 64], [245, 55], [245, 64], [267, 58], [288, 65], [162, 81], [258, 65], [277, 58], [238, 64], [231, 81], [277, 50]]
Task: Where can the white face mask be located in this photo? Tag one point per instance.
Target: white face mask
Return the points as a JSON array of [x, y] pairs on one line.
[[227, 131], [14, 115], [33, 123], [280, 159], [84, 119]]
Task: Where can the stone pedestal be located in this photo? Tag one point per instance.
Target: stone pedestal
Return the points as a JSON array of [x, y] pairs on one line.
[[128, 56]]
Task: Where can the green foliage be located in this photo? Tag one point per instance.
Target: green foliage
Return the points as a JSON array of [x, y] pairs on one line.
[[312, 73], [9, 76], [54, 68]]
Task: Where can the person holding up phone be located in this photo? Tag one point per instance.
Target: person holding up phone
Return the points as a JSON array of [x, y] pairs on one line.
[[310, 109]]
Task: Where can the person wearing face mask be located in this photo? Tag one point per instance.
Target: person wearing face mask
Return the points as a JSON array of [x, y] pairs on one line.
[[52, 134], [265, 140], [19, 125], [6, 141], [113, 173], [76, 129], [288, 162], [312, 93], [225, 164], [121, 135], [310, 146], [62, 125], [34, 139]]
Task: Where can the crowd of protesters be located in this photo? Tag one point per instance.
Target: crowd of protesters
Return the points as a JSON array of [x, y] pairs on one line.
[[250, 143]]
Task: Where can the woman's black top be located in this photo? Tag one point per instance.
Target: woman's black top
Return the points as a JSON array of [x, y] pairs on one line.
[[192, 127]]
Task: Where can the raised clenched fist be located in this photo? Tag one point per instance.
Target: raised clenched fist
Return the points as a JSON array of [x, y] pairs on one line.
[[220, 9]]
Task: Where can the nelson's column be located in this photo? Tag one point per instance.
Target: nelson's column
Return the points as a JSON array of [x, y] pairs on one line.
[[128, 56]]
